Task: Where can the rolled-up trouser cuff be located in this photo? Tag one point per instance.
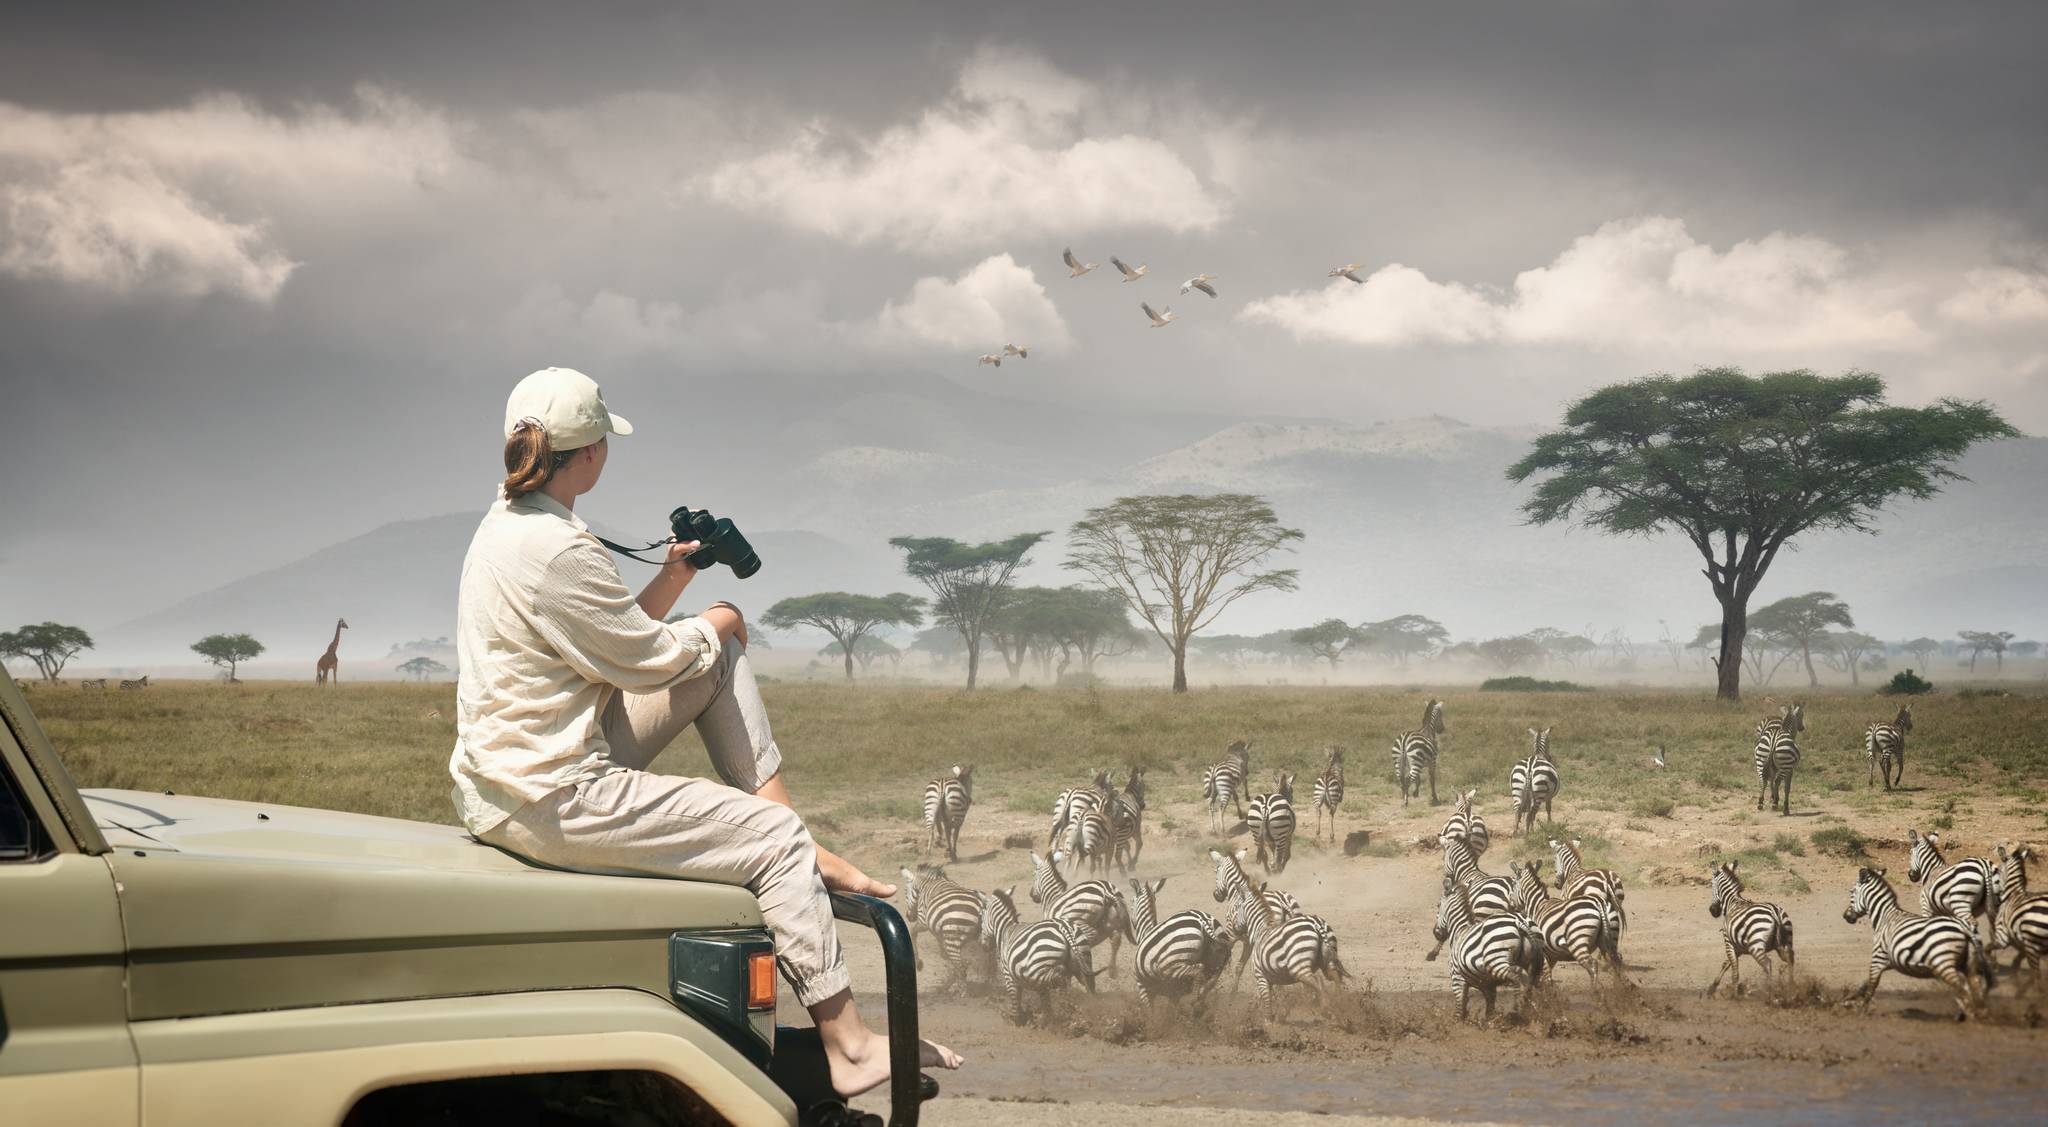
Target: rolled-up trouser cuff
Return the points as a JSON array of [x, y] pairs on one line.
[[820, 986]]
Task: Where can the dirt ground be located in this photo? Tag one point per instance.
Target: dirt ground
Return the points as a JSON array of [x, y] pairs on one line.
[[1391, 1047]]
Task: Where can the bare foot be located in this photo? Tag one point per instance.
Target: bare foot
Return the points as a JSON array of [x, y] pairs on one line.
[[841, 876], [865, 1067]]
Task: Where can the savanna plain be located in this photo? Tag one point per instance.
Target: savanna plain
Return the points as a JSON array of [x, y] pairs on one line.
[[1387, 1047]]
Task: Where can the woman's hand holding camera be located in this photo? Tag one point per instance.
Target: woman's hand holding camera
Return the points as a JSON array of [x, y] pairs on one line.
[[679, 556]]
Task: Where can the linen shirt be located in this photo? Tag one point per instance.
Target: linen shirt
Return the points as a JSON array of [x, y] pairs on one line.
[[545, 633]]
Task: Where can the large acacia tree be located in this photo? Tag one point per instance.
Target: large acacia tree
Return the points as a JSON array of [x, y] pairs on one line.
[[1803, 622], [228, 651], [50, 645], [1178, 560], [967, 581], [1740, 465], [848, 618]]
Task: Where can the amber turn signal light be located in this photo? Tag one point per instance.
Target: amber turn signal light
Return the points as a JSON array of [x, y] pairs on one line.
[[761, 981]]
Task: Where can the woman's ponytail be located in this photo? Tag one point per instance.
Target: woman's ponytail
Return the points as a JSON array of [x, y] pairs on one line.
[[530, 460]]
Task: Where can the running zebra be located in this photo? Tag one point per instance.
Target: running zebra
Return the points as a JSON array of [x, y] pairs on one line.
[[1072, 802], [1042, 956], [1777, 755], [1916, 946], [946, 800], [1885, 746], [1573, 929], [1185, 953], [951, 913], [1962, 890], [1486, 953], [2021, 921], [1223, 784], [1127, 821], [138, 683], [1234, 886], [1271, 819], [93, 685], [1465, 825], [1484, 896], [1329, 790], [1575, 879], [1416, 751], [1095, 907], [1750, 928], [1283, 944], [1533, 782]]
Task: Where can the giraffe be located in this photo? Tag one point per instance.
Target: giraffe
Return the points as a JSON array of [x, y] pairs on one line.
[[329, 665]]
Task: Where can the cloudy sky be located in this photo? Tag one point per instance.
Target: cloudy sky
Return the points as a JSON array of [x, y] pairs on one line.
[[266, 275]]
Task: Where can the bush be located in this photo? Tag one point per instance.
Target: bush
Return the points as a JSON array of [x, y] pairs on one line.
[[1841, 841], [1520, 684], [1907, 683], [1653, 807], [1789, 843]]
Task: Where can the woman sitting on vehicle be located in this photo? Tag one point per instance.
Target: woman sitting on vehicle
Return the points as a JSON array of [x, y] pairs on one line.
[[570, 686]]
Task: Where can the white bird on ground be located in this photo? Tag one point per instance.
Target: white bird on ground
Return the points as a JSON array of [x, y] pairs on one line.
[[1159, 320], [1131, 273], [1200, 282], [1019, 353], [988, 358], [1076, 267], [1349, 270], [1658, 759]]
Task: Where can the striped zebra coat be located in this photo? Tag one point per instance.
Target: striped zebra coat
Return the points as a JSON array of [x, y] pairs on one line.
[[1329, 790], [951, 913], [1095, 907], [1487, 953], [1068, 806], [1465, 825], [1885, 746], [1749, 928], [1416, 752], [1574, 929], [1533, 782], [1285, 946], [1223, 783], [1234, 887], [1777, 756], [1962, 890], [2021, 920], [1127, 821], [1271, 819], [946, 800], [1186, 953], [1940, 947], [1575, 879], [1043, 956]]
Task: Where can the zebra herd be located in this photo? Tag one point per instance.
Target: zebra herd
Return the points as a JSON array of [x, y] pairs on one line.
[[91, 684]]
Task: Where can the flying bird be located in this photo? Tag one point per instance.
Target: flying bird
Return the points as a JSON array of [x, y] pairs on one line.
[[1131, 274], [1159, 320], [990, 358], [1200, 282], [1076, 267], [1657, 760], [1349, 270], [1020, 353]]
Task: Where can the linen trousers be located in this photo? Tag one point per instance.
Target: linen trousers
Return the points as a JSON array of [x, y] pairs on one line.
[[633, 822]]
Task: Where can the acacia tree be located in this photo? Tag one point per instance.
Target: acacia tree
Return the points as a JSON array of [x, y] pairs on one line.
[[422, 667], [1979, 641], [49, 645], [847, 618], [1803, 621], [1084, 622], [967, 581], [1852, 649], [1179, 560], [1404, 636], [1327, 639], [1507, 653], [1923, 649], [1741, 465], [865, 651], [227, 650]]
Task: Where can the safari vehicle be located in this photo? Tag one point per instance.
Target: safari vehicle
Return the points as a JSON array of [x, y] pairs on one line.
[[168, 960]]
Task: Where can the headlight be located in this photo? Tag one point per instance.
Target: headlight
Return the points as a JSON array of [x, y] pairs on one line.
[[727, 978]]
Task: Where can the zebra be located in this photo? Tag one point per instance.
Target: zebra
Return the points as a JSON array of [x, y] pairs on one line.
[[946, 800], [1574, 929], [1533, 782], [1283, 944], [1885, 746], [1091, 840], [1486, 953], [1329, 790], [1068, 806], [1748, 927], [1416, 751], [1127, 821], [1575, 879], [1272, 822], [1917, 946], [1095, 907], [1223, 782], [2021, 920], [138, 683], [1777, 754], [1465, 825], [1042, 956], [1485, 896], [93, 685], [1186, 952], [1234, 886], [951, 912], [1962, 890]]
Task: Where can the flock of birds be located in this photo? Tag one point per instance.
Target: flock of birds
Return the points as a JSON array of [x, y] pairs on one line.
[[1498, 930], [1160, 318]]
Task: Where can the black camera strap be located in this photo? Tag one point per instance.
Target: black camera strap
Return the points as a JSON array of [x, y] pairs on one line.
[[628, 552]]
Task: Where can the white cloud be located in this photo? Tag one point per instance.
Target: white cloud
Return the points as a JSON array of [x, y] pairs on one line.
[[1641, 283], [1009, 153], [1996, 296], [995, 302], [181, 200]]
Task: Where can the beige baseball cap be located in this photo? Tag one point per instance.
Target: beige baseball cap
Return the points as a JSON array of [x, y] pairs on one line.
[[568, 404]]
